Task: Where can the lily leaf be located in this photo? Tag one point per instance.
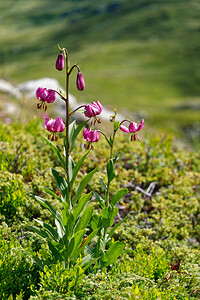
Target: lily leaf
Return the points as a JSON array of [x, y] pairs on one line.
[[114, 252], [61, 185], [110, 171], [115, 227], [81, 204], [56, 151], [74, 133], [77, 168], [100, 200], [85, 218], [82, 185], [118, 195]]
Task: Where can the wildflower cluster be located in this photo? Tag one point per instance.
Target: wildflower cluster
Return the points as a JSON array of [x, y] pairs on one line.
[[71, 238], [91, 110]]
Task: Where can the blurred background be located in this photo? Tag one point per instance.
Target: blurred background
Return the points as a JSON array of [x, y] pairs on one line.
[[140, 56]]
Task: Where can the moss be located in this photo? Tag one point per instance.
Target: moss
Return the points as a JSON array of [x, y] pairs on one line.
[[161, 231]]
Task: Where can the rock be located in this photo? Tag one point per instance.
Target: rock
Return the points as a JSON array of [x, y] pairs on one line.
[[8, 88], [29, 87], [79, 115]]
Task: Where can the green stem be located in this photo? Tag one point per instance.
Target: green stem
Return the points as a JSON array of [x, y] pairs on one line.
[[111, 147], [71, 113], [67, 121], [107, 195]]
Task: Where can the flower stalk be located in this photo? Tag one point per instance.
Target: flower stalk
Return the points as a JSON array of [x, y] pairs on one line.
[[67, 118]]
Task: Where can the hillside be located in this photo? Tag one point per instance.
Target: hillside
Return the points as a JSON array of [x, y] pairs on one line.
[[141, 55]]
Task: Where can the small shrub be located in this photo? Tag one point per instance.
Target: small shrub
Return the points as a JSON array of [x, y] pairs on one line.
[[17, 269]]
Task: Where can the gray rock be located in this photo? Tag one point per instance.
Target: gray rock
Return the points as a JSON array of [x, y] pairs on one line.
[[29, 87], [10, 89], [79, 115]]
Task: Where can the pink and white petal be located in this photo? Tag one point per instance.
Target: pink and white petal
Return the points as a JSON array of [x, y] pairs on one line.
[[59, 126], [124, 128], [133, 127], [141, 125]]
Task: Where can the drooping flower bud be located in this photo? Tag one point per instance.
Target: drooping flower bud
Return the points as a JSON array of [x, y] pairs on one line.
[[60, 62], [80, 83]]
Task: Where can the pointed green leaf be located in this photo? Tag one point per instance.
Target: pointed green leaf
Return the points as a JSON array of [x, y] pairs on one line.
[[39, 231], [108, 214], [56, 151], [55, 252], [105, 213], [71, 247], [88, 239], [77, 168], [60, 229], [114, 252], [95, 221], [82, 185], [52, 193], [87, 261], [85, 218], [69, 227], [81, 204], [78, 236], [116, 226], [72, 128], [52, 210], [116, 125], [116, 157], [75, 134], [71, 167], [102, 183], [100, 200], [61, 185], [118, 195], [110, 171], [52, 232]]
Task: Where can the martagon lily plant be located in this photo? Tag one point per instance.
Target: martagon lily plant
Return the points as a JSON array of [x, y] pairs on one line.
[[78, 231]]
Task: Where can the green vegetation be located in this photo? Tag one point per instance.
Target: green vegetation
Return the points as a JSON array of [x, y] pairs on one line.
[[140, 55], [143, 57], [161, 231]]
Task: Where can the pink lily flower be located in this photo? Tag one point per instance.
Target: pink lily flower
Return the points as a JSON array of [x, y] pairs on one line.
[[51, 96], [90, 136], [53, 126], [92, 110], [132, 129], [45, 96]]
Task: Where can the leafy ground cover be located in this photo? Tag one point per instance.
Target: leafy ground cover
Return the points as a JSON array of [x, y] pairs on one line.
[[146, 53], [161, 231]]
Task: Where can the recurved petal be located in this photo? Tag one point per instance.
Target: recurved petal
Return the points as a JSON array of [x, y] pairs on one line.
[[133, 127], [48, 124], [124, 128], [141, 125], [59, 125]]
